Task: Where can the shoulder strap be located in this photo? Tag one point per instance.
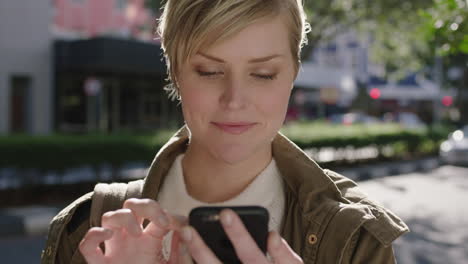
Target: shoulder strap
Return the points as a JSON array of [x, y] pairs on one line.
[[134, 189], [109, 197]]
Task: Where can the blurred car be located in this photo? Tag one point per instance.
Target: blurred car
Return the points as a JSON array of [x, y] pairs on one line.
[[353, 118], [455, 149], [410, 120]]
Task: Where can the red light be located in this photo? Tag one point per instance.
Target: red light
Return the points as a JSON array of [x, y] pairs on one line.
[[374, 93], [447, 100]]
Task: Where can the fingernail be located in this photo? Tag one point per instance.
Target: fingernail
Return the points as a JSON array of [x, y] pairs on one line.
[[163, 221], [108, 232], [275, 240], [226, 218], [186, 234]]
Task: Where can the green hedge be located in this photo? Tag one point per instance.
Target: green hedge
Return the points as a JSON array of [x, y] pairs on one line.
[[59, 152], [405, 141]]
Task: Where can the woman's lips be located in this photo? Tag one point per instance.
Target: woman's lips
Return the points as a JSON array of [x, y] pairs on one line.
[[234, 128]]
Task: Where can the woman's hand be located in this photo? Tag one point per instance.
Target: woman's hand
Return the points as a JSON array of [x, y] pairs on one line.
[[125, 239], [246, 248]]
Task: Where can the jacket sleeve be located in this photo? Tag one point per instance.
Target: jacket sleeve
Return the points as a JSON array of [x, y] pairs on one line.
[[68, 251], [65, 233], [365, 248]]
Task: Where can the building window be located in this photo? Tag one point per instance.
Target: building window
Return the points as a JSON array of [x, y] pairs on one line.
[[20, 103], [120, 4], [330, 56]]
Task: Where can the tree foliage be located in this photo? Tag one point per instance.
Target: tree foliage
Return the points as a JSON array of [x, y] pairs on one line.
[[445, 26], [331, 17], [411, 40]]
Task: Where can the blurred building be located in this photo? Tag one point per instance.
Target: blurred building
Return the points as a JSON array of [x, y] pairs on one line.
[[335, 74], [329, 77], [26, 95], [81, 65]]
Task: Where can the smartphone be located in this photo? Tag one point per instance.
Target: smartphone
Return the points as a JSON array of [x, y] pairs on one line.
[[206, 221]]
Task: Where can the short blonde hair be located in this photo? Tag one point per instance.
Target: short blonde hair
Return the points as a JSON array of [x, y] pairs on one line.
[[186, 25]]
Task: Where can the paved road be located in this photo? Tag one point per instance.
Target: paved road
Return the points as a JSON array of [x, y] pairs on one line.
[[433, 204], [21, 250]]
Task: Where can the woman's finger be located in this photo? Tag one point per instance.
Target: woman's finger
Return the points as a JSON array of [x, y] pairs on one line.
[[150, 209], [179, 252], [122, 218], [245, 246], [197, 248], [184, 254], [280, 251], [89, 246], [177, 221]]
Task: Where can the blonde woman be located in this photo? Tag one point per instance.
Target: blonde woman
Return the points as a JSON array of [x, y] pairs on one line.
[[232, 64]]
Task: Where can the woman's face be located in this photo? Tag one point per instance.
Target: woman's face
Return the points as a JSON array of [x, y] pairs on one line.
[[235, 94]]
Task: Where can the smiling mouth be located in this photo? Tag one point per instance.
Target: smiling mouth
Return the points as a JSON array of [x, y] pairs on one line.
[[235, 128]]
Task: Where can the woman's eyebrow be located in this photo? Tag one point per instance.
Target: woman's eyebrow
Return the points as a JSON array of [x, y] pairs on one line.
[[264, 59], [253, 60]]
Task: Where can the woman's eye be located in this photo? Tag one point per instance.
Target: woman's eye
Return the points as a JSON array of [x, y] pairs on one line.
[[265, 76], [209, 73], [214, 74]]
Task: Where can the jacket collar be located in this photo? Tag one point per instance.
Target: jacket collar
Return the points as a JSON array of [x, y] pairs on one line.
[[322, 193]]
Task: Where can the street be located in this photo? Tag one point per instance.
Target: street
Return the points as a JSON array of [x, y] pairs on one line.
[[433, 204], [21, 250]]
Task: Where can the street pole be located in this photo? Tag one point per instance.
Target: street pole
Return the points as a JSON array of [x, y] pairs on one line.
[[438, 74]]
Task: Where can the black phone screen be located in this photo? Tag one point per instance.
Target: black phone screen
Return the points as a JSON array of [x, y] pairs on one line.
[[206, 221]]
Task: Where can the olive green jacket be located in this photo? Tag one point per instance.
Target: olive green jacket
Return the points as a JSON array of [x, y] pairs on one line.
[[326, 219]]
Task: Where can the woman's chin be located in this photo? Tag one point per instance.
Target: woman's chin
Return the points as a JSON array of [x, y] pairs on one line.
[[233, 156]]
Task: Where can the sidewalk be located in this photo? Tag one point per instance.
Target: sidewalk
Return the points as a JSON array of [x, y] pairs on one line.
[[433, 205], [31, 221]]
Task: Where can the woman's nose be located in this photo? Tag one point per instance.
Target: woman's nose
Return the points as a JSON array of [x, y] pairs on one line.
[[234, 96]]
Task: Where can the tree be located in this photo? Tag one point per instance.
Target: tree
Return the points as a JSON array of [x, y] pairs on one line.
[[328, 18], [435, 35], [446, 30]]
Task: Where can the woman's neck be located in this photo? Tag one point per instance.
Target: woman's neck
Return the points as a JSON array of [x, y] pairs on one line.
[[209, 179]]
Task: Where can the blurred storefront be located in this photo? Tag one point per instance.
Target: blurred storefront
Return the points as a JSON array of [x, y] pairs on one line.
[[109, 73], [414, 94], [108, 84], [321, 91], [339, 77]]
